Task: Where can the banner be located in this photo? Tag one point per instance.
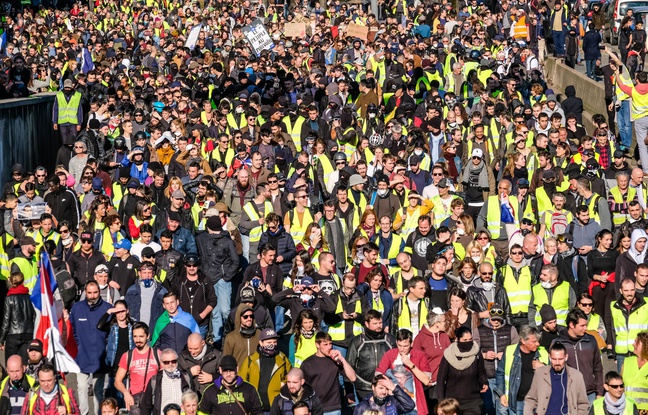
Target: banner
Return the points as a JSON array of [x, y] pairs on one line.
[[356, 30], [258, 36]]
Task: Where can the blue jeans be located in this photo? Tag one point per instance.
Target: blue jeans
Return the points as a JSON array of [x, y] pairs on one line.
[[245, 241], [221, 312], [641, 130], [203, 330], [519, 408], [559, 42], [591, 397], [338, 412], [590, 64], [620, 360], [624, 124]]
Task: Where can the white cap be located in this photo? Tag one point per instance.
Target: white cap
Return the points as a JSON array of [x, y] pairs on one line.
[[477, 153]]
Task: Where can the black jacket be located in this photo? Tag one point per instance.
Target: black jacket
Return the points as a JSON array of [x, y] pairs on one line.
[[208, 364], [573, 104], [283, 403], [217, 399], [65, 206], [365, 354], [274, 277], [150, 403], [82, 266], [477, 301], [285, 247], [219, 257], [170, 261], [491, 340], [195, 303], [584, 355], [292, 301], [19, 316]]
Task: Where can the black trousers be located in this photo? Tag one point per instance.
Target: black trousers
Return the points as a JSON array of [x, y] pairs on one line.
[[17, 344]]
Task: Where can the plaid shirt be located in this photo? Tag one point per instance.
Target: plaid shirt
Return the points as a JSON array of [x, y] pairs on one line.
[[604, 155], [41, 408]]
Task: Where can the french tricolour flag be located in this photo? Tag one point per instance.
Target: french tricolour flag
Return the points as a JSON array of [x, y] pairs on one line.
[[47, 331]]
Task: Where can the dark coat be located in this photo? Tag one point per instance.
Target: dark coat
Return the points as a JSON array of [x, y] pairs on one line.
[[208, 364], [219, 257], [573, 104], [285, 248], [150, 403], [591, 40], [133, 298], [273, 277]]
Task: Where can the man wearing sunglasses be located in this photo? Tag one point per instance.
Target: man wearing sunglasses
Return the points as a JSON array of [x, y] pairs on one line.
[[163, 388], [615, 396]]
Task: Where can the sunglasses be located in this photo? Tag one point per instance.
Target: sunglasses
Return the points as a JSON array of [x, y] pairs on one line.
[[273, 181], [587, 304], [476, 158], [516, 253], [620, 386], [482, 238], [497, 312], [170, 362], [191, 266], [248, 316], [486, 273], [38, 175], [86, 241]]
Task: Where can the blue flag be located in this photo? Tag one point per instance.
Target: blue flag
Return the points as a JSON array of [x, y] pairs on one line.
[[86, 61]]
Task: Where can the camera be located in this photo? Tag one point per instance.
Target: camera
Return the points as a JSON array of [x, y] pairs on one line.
[[256, 282]]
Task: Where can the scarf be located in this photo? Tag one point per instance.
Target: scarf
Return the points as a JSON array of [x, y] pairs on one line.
[[452, 167], [615, 408], [307, 333], [475, 176], [458, 359], [369, 229], [21, 289]]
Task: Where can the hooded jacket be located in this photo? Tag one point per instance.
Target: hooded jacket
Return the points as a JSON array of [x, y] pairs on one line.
[[208, 364], [433, 345], [219, 399], [628, 261], [219, 257], [285, 247], [237, 344], [284, 402], [573, 104], [250, 371]]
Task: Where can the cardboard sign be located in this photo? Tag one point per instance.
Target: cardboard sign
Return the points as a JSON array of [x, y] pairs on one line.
[[295, 30], [355, 30], [258, 36]]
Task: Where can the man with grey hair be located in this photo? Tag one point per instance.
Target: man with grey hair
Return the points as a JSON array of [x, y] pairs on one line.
[[455, 79], [166, 386], [620, 197], [515, 372]]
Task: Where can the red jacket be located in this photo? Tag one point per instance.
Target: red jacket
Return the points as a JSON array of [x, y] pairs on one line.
[[420, 360]]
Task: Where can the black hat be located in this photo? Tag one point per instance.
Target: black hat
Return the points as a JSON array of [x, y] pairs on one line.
[[547, 313], [174, 216], [148, 252], [36, 345], [214, 224], [247, 294], [192, 258], [228, 362]]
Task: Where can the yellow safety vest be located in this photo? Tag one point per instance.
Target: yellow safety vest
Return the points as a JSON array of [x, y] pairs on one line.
[[394, 249], [337, 331], [30, 380], [107, 243], [229, 156], [626, 332], [411, 221], [306, 349], [405, 320], [362, 203], [543, 199], [327, 168], [597, 405], [617, 217], [399, 281], [548, 215], [441, 213], [636, 384], [518, 291], [29, 268], [379, 69], [138, 222], [231, 121], [64, 394], [67, 111], [251, 209], [298, 229], [593, 322], [508, 363], [40, 239], [494, 218], [592, 206], [638, 104], [559, 301], [117, 194], [294, 131], [5, 267]]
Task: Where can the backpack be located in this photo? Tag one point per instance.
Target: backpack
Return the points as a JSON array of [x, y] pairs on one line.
[[558, 224], [66, 285]]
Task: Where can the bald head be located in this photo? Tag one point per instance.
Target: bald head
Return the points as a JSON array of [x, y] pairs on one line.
[[195, 344], [15, 367], [295, 373], [637, 175], [530, 244], [295, 381]]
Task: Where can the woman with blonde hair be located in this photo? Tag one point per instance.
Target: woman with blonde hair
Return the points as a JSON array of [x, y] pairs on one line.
[[465, 230], [357, 251], [174, 184]]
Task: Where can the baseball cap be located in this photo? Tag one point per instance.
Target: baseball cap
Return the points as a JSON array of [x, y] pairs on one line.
[[177, 194], [477, 153], [123, 244], [444, 183], [100, 269], [523, 184], [148, 252], [36, 345], [228, 363], [97, 184], [307, 281], [247, 294], [268, 334], [618, 154]]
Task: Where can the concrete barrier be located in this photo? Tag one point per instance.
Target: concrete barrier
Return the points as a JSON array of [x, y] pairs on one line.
[[559, 76]]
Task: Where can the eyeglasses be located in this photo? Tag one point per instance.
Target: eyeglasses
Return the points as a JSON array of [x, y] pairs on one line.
[[170, 362], [516, 253], [486, 273], [248, 316], [437, 174], [587, 304], [78, 146], [64, 231], [191, 266], [340, 163], [482, 238], [40, 175], [620, 386], [273, 181], [302, 197], [86, 241]]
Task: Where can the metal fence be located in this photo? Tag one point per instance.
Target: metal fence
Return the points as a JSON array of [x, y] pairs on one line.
[[26, 134]]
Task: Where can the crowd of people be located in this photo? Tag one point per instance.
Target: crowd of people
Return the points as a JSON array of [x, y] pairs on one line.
[[403, 221]]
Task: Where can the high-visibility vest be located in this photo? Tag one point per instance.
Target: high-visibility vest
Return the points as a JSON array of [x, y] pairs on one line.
[[227, 160], [362, 203], [405, 320], [597, 405], [294, 131], [40, 239], [447, 68], [327, 168], [592, 206], [5, 267], [337, 331], [64, 395], [117, 194], [626, 331], [379, 69], [426, 82], [107, 248], [67, 111], [251, 209], [636, 385], [231, 121], [617, 217], [493, 216], [594, 321], [469, 66], [620, 95], [297, 228], [400, 282], [508, 363], [518, 291], [441, 213], [411, 221], [394, 249], [29, 268], [638, 104], [306, 349], [520, 30], [30, 381], [559, 301], [138, 223], [543, 199]]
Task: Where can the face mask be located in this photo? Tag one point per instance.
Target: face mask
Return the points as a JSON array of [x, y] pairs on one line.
[[487, 286], [307, 300], [476, 259], [465, 346], [239, 110], [372, 115], [525, 232], [382, 192], [269, 350], [418, 152], [147, 283], [545, 284], [360, 256], [461, 231]]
